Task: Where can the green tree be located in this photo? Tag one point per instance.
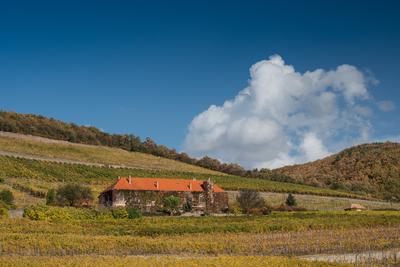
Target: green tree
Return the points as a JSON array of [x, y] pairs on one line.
[[290, 200], [250, 199], [133, 213], [7, 197], [171, 204], [74, 195], [51, 197]]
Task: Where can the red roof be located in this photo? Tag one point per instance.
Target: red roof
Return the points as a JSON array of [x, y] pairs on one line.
[[160, 184]]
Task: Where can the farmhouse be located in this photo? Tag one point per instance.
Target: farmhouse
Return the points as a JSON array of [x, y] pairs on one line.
[[147, 194]]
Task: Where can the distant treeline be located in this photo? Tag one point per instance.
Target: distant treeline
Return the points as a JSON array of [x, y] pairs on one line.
[[55, 129]]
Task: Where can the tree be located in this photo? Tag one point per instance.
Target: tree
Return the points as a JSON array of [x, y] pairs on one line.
[[7, 197], [290, 200], [74, 195], [250, 199], [51, 196], [171, 204]]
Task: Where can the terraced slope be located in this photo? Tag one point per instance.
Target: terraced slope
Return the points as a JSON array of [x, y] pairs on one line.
[[32, 146]]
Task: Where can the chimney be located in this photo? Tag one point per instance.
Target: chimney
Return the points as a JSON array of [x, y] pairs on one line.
[[130, 180], [156, 184], [190, 186]]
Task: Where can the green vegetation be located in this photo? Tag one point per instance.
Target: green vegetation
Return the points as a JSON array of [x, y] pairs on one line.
[[7, 197], [92, 175], [119, 213], [51, 197], [291, 201], [102, 221], [74, 195], [133, 213], [171, 204]]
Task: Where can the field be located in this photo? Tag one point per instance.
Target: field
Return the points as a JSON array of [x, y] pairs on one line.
[[235, 261], [207, 240], [92, 237], [62, 150]]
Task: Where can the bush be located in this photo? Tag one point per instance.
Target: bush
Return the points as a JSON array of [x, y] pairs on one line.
[[4, 213], [74, 195], [250, 199], [260, 211], [188, 206], [171, 205], [291, 201], [235, 208], [134, 213], [7, 197], [119, 213], [37, 213], [51, 197]]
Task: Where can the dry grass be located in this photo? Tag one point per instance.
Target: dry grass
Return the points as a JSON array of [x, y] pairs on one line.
[[52, 149], [313, 202], [177, 261]]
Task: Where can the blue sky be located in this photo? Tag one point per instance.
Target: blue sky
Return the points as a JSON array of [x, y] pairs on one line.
[[149, 69]]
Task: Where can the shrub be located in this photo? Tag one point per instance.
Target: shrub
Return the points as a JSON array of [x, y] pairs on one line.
[[4, 213], [51, 197], [74, 195], [7, 197], [133, 213], [250, 199], [260, 211], [119, 213], [235, 208], [171, 205], [37, 213], [188, 206], [291, 201]]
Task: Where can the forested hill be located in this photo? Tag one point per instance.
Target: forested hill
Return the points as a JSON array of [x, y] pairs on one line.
[[370, 168], [55, 129]]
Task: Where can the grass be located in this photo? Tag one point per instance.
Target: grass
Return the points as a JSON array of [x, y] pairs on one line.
[[48, 148], [313, 202], [233, 261], [50, 172]]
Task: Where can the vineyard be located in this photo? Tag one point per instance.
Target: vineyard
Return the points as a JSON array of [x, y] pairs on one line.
[[51, 172], [234, 261], [64, 234], [47, 148]]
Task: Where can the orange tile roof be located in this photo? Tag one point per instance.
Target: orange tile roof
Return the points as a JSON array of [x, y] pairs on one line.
[[159, 184]]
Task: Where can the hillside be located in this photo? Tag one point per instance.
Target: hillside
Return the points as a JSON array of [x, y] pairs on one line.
[[369, 168], [37, 125], [33, 146]]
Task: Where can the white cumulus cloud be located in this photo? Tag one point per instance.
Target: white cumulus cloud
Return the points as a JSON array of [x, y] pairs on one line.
[[284, 117]]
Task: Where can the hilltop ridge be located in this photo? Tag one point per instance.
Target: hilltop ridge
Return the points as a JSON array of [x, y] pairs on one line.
[[369, 168]]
